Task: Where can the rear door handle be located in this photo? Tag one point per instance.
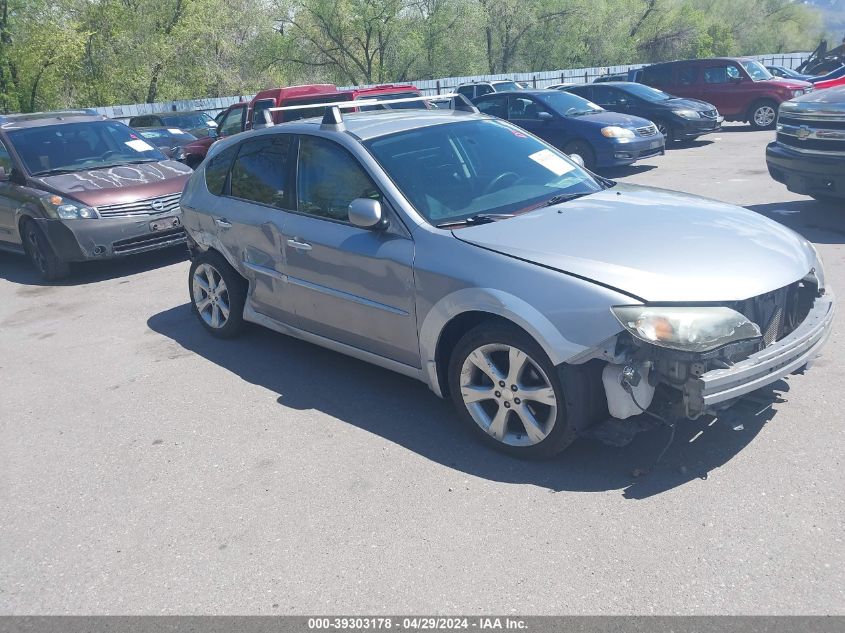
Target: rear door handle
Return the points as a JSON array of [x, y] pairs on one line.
[[300, 246], [223, 223]]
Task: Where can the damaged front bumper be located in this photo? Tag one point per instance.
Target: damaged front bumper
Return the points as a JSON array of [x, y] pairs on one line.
[[713, 389]]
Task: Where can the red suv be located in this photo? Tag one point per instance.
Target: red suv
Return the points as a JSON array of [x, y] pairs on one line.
[[741, 88]]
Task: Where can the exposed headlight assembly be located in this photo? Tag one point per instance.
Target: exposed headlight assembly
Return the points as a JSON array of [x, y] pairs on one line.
[[797, 93], [687, 114], [614, 131], [66, 209], [686, 328]]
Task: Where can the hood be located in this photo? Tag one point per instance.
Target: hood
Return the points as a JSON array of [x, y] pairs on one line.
[[824, 102], [117, 185], [603, 119], [677, 103], [655, 245], [784, 82]]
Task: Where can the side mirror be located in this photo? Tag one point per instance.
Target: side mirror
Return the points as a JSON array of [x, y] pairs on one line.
[[576, 158], [366, 213], [4, 175], [545, 117]]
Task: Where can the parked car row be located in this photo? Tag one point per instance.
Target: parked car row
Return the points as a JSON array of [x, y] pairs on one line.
[[455, 247]]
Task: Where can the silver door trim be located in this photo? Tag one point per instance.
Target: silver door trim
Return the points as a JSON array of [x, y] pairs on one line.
[[347, 296], [251, 315]]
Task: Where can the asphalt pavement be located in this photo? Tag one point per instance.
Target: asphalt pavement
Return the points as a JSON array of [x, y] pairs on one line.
[[148, 468]]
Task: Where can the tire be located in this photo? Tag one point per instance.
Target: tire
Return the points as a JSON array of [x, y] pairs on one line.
[[217, 294], [44, 259], [582, 149], [508, 418], [763, 115], [666, 130]]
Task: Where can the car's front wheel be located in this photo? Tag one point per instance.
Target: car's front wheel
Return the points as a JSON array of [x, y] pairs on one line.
[[582, 150], [217, 294], [49, 265], [666, 130], [763, 115], [507, 391]]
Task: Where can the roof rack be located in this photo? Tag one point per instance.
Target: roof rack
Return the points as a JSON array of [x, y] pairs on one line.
[[333, 119]]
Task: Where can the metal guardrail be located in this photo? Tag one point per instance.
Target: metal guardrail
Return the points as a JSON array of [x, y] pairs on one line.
[[431, 86]]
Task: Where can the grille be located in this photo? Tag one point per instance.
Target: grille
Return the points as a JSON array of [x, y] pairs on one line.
[[149, 242], [815, 144], [824, 124], [779, 312], [169, 204], [710, 114], [650, 130]]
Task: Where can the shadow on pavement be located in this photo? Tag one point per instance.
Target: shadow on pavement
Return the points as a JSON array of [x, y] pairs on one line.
[[627, 170], [17, 268], [819, 221], [405, 412]]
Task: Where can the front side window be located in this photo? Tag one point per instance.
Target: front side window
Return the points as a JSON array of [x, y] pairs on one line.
[[56, 149], [233, 122], [721, 74], [329, 178], [260, 171], [523, 109], [467, 91], [606, 96], [453, 171], [483, 89]]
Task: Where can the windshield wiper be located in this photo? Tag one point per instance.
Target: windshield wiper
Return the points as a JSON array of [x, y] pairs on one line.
[[56, 172], [565, 197], [478, 218]]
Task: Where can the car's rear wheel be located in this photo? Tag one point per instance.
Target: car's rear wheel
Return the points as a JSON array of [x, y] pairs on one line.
[[507, 391], [217, 294], [763, 115], [49, 265], [584, 151]]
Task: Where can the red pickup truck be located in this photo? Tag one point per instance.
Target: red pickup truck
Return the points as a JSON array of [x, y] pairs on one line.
[[248, 114], [740, 88]]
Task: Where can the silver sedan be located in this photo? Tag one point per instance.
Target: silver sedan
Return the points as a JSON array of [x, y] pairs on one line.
[[463, 251]]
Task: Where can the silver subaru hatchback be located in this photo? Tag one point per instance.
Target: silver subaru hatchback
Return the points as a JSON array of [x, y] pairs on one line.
[[463, 251]]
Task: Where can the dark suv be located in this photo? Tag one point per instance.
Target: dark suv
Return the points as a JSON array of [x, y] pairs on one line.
[[741, 88], [76, 186]]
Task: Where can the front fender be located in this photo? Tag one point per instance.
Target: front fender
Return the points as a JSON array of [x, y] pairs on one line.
[[494, 302]]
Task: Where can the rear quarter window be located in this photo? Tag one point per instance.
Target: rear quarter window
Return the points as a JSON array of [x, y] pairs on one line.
[[217, 170]]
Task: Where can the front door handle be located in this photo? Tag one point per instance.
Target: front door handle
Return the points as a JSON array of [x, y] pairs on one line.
[[223, 223], [300, 246]]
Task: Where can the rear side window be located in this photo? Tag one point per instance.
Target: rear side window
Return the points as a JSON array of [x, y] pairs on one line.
[[483, 89], [329, 178], [720, 74], [467, 91], [495, 107], [260, 171], [687, 75], [217, 170], [657, 76]]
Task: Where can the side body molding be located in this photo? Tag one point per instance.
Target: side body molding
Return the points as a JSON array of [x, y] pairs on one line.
[[495, 302]]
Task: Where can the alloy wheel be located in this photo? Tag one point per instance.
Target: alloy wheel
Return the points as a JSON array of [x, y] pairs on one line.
[[764, 116], [210, 295], [508, 395]]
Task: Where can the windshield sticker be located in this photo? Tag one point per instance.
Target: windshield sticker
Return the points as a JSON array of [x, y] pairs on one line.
[[552, 162], [519, 134], [174, 130], [140, 146]]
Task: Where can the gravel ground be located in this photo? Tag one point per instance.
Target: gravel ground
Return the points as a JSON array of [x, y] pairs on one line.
[[150, 469]]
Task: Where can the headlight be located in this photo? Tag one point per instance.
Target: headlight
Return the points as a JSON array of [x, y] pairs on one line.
[[797, 93], [615, 131], [690, 329], [65, 209], [687, 114]]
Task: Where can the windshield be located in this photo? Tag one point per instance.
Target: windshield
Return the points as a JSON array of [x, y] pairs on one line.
[[409, 105], [166, 138], [756, 70], [187, 121], [81, 146], [453, 171], [647, 92], [569, 104]]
